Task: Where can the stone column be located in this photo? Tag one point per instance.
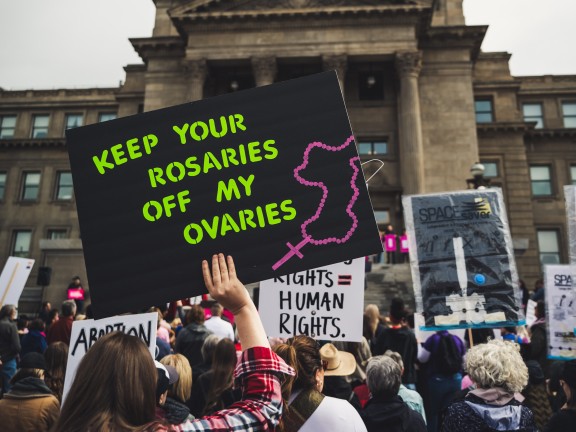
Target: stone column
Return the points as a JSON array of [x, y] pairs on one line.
[[339, 63], [264, 69], [411, 148], [197, 71]]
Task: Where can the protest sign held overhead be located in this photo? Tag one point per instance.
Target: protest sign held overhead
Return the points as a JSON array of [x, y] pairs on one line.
[[324, 303], [270, 176], [86, 332], [13, 279], [462, 260], [560, 302]]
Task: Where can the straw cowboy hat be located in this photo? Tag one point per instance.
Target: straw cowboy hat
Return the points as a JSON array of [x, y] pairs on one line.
[[337, 363]]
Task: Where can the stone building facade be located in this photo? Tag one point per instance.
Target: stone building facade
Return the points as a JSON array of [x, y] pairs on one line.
[[420, 94]]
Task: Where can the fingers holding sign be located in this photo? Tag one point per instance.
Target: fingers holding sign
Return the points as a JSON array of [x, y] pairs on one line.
[[223, 284]]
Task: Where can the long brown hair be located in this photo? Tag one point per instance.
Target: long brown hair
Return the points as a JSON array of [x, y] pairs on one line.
[[114, 388], [223, 364], [56, 356], [303, 354]]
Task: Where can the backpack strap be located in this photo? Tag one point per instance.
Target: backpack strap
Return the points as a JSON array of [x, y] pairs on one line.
[[301, 409]]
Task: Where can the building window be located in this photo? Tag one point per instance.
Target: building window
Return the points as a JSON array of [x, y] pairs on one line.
[[54, 234], [382, 217], [549, 247], [21, 242], [102, 117], [573, 174], [2, 185], [540, 180], [7, 126], [483, 110], [490, 169], [40, 126], [569, 113], [372, 147], [74, 121], [533, 113], [64, 187], [30, 186], [370, 86]]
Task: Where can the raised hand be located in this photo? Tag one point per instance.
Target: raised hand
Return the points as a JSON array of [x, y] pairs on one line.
[[223, 284]]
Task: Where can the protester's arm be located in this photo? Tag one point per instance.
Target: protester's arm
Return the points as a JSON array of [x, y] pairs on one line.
[[224, 286], [259, 369]]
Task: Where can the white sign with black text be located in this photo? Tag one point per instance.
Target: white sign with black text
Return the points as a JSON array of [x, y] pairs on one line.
[[325, 303], [560, 312], [86, 332]]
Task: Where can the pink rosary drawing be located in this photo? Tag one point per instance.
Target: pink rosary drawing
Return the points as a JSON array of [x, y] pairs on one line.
[[307, 238]]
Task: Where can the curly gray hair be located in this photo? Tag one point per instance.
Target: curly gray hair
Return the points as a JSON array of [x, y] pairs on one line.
[[497, 364]]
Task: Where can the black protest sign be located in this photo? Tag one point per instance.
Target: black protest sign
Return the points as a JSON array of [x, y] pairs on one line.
[[270, 176], [462, 260]]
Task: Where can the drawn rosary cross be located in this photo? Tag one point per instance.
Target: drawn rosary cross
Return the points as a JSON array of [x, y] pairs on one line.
[[308, 238]]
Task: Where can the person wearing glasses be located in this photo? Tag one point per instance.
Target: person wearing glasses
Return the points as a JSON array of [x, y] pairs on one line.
[[308, 410]]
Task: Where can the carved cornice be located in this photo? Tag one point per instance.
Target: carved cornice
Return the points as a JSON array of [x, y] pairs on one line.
[[504, 127], [33, 143], [408, 63], [200, 11], [155, 47], [546, 134], [455, 37]]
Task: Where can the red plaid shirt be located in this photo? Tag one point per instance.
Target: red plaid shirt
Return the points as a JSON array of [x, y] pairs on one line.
[[259, 374]]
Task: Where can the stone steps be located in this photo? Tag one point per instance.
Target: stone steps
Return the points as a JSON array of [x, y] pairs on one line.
[[385, 282]]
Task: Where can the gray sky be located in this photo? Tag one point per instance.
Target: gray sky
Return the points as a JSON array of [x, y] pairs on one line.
[[47, 44]]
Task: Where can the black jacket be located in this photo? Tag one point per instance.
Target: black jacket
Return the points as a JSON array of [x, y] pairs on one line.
[[465, 416], [402, 341], [9, 340], [391, 415], [189, 343]]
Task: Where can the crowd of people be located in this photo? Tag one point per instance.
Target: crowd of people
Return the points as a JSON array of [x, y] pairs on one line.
[[216, 369]]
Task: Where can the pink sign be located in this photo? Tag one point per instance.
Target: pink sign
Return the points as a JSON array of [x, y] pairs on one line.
[[404, 244], [75, 294], [390, 242]]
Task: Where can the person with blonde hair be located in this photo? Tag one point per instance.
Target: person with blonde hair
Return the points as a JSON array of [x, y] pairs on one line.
[[175, 410], [499, 374], [374, 325]]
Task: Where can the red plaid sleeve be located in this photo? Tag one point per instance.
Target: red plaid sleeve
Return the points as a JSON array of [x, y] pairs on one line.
[[259, 373]]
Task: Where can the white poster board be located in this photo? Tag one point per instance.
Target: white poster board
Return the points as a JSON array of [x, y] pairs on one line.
[[86, 332], [530, 313], [560, 312], [13, 279], [325, 303]]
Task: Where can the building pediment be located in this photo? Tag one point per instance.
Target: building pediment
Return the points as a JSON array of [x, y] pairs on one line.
[[214, 9]]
